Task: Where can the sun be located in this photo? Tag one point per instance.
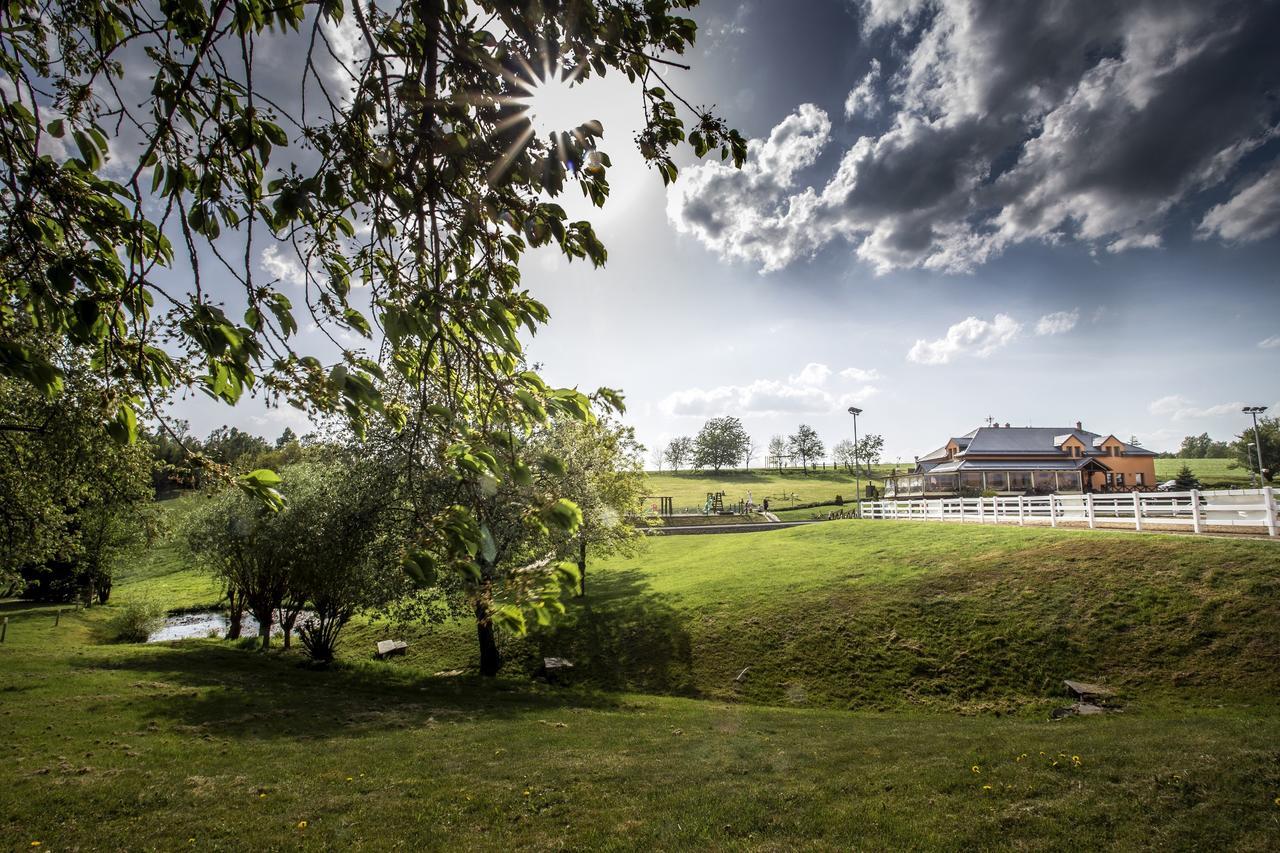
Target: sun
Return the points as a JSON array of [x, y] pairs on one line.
[[551, 105]]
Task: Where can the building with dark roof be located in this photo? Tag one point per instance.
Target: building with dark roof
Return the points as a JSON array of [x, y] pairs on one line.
[[1008, 460]]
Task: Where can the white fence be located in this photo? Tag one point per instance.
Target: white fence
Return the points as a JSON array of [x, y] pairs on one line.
[[1194, 510]]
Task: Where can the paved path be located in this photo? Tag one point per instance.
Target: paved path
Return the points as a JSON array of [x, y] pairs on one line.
[[695, 529]]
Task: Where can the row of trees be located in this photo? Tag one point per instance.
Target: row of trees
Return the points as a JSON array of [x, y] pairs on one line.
[[345, 541], [723, 442], [1241, 449]]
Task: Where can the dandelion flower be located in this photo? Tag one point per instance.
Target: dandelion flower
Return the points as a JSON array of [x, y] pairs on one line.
[[348, 778], [302, 824], [1278, 801], [976, 769], [1020, 757], [526, 793], [986, 787], [262, 796]]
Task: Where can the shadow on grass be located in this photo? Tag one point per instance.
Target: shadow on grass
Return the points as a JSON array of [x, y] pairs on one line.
[[621, 636], [213, 688]]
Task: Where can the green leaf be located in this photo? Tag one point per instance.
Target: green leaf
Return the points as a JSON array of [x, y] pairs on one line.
[[563, 515]]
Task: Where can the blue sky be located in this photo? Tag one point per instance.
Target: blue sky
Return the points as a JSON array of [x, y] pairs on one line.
[[953, 211]]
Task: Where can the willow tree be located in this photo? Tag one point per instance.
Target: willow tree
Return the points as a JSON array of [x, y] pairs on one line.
[[149, 157]]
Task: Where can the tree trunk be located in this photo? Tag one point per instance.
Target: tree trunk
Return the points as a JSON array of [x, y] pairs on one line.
[[265, 621], [582, 566], [490, 659], [236, 617], [286, 623]]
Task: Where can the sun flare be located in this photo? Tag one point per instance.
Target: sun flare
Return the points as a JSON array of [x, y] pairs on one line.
[[551, 106]]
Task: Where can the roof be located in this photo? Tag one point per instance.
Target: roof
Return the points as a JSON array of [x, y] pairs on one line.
[[1015, 465], [1035, 440]]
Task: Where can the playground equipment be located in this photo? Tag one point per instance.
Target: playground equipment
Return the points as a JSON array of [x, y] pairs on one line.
[[714, 504]]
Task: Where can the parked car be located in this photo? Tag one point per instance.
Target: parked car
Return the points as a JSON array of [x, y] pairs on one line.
[[1167, 486]]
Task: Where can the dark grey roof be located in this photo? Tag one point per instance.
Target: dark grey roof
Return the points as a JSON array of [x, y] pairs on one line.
[[1014, 465], [1016, 440], [940, 453]]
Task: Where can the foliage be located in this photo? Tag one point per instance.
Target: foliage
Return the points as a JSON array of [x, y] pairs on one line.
[[1268, 435], [722, 442], [136, 621], [679, 451], [867, 453], [604, 476], [71, 496], [779, 452], [805, 444], [1186, 479], [407, 190], [1202, 447]]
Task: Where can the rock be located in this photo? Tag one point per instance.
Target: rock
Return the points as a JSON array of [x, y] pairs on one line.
[[391, 648], [1077, 709], [1085, 692], [551, 664]]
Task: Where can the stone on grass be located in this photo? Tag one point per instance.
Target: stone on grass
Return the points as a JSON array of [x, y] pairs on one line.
[[391, 648]]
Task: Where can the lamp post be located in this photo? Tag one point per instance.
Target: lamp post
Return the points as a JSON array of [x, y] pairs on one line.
[[857, 475], [1257, 442]]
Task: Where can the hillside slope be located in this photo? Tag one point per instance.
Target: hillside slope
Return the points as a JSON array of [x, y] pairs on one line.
[[881, 615]]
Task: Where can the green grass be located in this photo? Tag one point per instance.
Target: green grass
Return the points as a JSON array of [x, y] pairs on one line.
[[202, 744], [1210, 472], [948, 643], [163, 573], [689, 488]]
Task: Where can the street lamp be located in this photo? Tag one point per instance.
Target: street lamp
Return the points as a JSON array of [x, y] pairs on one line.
[[857, 475], [1257, 442]]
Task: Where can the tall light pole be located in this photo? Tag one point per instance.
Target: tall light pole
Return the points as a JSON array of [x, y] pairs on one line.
[[1257, 442], [857, 475]]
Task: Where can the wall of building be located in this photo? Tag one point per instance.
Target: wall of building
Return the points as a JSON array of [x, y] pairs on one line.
[[1130, 466]]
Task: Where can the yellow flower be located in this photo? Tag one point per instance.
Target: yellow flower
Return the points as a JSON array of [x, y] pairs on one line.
[[302, 824], [348, 778], [1020, 757], [1075, 758], [526, 793], [1278, 801], [262, 796], [986, 787], [976, 769]]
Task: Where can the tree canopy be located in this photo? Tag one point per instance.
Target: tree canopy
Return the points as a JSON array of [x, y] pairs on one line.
[[721, 441], [152, 151]]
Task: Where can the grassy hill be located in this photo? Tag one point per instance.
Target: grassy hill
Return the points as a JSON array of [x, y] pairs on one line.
[[163, 573], [208, 744], [1211, 472], [858, 614], [689, 488]]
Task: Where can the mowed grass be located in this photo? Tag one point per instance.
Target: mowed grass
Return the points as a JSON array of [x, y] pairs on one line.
[[690, 488], [898, 615], [204, 745], [1210, 472], [164, 573]]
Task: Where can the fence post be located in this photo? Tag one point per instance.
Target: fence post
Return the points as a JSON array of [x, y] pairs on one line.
[[57, 617], [1088, 508], [4, 628], [1195, 510], [1021, 519], [981, 502], [1137, 511], [1269, 496], [1053, 514]]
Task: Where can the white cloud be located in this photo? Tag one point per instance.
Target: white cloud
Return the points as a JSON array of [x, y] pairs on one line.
[[1013, 125], [857, 374], [800, 394], [1272, 342], [1179, 408], [863, 98], [971, 336], [1251, 214], [1058, 322], [812, 374], [281, 266]]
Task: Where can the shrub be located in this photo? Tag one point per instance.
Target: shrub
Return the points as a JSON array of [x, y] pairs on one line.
[[136, 621]]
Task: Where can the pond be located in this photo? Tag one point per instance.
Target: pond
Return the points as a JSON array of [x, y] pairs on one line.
[[210, 623]]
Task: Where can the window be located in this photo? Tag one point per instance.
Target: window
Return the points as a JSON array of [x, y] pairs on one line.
[[1139, 479], [996, 481], [1120, 480], [1020, 481]]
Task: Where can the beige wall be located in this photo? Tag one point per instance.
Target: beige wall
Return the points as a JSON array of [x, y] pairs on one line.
[[1129, 466]]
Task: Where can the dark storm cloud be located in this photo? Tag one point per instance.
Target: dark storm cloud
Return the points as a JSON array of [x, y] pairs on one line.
[[1015, 122]]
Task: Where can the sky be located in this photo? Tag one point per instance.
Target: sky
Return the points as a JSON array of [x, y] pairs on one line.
[[953, 210]]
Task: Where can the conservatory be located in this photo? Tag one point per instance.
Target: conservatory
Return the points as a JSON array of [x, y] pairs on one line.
[[971, 478]]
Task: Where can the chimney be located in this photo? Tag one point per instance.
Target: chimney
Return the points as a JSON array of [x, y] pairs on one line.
[[1006, 425], [1078, 426]]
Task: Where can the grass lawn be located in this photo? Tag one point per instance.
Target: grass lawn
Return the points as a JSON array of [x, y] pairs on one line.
[[200, 743], [163, 573], [886, 662], [689, 488], [1210, 472]]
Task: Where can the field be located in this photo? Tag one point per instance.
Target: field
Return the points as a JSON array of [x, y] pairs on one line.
[[689, 488], [1211, 472], [899, 678]]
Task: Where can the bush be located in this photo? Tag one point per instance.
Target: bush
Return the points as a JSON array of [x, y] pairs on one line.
[[136, 621]]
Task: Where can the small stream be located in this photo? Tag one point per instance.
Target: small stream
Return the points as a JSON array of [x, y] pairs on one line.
[[211, 623]]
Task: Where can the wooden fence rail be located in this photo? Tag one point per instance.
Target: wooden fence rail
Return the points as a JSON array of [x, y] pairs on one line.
[[1239, 509]]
